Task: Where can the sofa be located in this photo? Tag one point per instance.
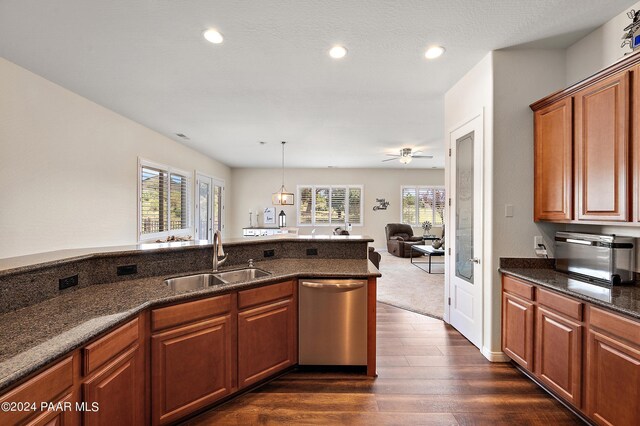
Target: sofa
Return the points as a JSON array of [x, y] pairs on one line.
[[400, 238]]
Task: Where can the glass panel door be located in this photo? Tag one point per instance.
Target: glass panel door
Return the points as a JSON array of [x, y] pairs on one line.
[[217, 207], [204, 203], [464, 208]]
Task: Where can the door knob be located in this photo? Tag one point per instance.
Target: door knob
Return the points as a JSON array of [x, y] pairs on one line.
[[474, 260]]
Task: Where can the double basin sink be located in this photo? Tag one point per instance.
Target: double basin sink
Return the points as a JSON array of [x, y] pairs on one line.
[[200, 281]]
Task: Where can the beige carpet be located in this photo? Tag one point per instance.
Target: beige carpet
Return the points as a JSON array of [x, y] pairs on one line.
[[406, 286]]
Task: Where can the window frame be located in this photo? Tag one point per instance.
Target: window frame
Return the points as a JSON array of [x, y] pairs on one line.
[[417, 212], [142, 162], [313, 187]]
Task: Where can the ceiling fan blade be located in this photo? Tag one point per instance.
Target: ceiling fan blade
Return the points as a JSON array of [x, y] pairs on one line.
[[393, 155], [422, 156], [390, 159]]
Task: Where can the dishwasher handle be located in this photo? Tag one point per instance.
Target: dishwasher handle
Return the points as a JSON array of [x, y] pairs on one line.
[[347, 285]]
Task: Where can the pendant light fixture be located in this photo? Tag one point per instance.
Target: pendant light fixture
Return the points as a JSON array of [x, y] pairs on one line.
[[282, 197]]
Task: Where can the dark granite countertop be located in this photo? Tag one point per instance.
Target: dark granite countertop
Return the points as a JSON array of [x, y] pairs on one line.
[[31, 262], [34, 336], [624, 299]]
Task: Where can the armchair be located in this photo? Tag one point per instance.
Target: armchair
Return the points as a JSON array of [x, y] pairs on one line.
[[400, 238]]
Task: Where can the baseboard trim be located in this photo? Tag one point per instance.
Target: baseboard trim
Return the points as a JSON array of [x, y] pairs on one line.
[[494, 356]]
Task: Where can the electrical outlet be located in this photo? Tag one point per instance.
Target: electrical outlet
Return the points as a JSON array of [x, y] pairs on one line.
[[536, 241], [67, 282], [508, 210], [127, 270]]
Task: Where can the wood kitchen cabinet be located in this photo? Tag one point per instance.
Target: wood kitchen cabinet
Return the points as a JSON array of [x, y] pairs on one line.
[[602, 150], [193, 364], [267, 331], [588, 356], [559, 354], [517, 329], [118, 392], [558, 344], [54, 385], [613, 366], [553, 179], [114, 372], [602, 185]]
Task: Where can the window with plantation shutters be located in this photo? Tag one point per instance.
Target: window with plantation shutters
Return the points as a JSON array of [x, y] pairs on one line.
[[422, 204], [333, 205], [164, 201]]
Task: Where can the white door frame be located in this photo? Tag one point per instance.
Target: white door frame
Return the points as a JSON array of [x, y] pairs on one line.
[[213, 181], [478, 225]]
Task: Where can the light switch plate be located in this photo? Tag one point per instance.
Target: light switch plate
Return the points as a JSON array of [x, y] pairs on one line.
[[508, 210]]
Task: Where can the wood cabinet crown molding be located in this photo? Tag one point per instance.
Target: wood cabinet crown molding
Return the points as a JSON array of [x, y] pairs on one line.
[[624, 64]]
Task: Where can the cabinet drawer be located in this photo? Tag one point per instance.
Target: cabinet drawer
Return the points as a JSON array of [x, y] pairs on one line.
[[562, 304], [105, 348], [183, 313], [258, 296], [45, 387], [518, 287], [615, 324]]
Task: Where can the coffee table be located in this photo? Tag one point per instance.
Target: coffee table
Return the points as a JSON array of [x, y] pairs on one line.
[[429, 252]]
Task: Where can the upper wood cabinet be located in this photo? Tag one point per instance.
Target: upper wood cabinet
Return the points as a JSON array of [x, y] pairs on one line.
[[553, 181], [602, 150], [602, 185]]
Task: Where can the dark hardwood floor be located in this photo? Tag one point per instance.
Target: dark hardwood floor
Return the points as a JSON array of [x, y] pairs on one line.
[[428, 375]]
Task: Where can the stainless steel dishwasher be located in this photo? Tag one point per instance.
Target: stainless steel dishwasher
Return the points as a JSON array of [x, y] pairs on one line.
[[333, 322]]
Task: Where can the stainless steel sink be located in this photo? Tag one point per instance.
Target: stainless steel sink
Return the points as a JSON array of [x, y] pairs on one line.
[[242, 275], [193, 282], [200, 281]]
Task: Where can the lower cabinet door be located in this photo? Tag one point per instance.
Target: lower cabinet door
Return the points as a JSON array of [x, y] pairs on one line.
[[517, 330], [115, 394], [191, 367], [65, 417], [266, 341], [559, 354], [613, 381]]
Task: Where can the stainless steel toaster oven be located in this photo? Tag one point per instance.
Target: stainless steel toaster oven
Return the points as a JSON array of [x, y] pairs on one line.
[[608, 258]]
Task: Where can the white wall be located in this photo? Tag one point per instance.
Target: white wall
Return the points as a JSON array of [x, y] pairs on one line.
[[68, 167], [252, 189], [470, 96], [503, 84], [599, 49], [520, 78]]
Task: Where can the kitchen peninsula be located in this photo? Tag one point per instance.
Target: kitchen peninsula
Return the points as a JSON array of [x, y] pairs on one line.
[[147, 353]]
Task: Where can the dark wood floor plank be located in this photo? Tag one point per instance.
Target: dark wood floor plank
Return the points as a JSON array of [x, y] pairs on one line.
[[428, 374]]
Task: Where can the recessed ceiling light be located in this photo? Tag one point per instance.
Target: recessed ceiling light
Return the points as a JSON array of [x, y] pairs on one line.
[[434, 52], [213, 36], [338, 52]]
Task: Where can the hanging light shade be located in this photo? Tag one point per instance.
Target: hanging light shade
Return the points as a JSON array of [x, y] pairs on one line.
[[282, 197]]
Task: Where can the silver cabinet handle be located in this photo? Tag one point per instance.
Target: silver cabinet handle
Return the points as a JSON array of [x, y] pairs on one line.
[[474, 260], [331, 285]]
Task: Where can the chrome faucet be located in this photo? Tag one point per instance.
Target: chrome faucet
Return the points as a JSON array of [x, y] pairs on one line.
[[218, 252]]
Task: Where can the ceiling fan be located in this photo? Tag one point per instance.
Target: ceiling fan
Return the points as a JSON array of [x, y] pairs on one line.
[[406, 155]]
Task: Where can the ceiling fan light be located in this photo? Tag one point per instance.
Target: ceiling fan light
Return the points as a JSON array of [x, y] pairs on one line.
[[405, 159]]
